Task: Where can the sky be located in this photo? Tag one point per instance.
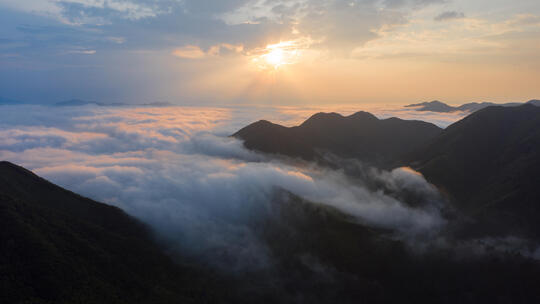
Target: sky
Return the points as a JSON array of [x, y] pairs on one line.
[[270, 52]]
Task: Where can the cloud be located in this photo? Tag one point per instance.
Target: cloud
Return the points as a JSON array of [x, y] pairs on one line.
[[414, 3], [89, 11], [176, 169], [449, 15], [189, 52], [195, 52], [521, 22], [83, 52], [203, 193], [250, 23]]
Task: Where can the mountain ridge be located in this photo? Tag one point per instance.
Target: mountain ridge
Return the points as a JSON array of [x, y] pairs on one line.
[[378, 140], [80, 102], [49, 256], [485, 163], [441, 107]]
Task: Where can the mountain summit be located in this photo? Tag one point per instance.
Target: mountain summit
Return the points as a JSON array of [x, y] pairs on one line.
[[489, 162], [441, 107], [486, 163], [360, 135], [433, 106]]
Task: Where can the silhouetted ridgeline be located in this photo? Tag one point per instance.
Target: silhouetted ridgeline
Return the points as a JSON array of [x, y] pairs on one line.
[[487, 163], [360, 135], [441, 107], [58, 247]]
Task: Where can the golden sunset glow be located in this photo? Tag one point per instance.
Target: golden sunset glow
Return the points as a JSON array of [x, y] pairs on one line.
[[277, 55]]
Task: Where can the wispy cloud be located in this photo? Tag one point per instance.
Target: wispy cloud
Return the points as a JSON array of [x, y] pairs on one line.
[[83, 52], [176, 169], [449, 15], [190, 52], [195, 52]]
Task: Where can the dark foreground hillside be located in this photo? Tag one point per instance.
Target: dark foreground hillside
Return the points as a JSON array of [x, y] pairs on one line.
[[59, 247]]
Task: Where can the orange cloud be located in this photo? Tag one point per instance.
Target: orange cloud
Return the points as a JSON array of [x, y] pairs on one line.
[[189, 52]]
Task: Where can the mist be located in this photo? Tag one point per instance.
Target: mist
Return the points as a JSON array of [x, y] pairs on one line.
[[200, 190]]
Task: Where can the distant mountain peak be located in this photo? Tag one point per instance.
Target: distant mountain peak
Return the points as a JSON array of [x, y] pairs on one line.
[[325, 118], [535, 102], [434, 102], [360, 135], [263, 124], [363, 115], [441, 107], [321, 118], [75, 102], [433, 106], [80, 102], [8, 101]]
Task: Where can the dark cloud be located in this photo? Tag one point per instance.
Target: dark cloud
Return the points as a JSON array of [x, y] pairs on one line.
[[212, 6], [449, 15], [413, 3]]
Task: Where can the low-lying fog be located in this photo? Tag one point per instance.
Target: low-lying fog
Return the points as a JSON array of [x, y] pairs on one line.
[[176, 169]]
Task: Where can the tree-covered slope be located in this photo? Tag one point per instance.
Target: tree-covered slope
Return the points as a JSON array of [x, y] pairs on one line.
[[59, 247]]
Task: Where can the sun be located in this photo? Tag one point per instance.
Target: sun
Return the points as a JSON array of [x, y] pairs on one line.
[[275, 56]]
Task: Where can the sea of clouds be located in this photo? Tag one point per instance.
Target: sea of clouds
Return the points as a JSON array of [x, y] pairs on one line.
[[178, 170]]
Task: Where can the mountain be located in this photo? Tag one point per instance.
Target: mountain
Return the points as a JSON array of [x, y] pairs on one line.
[[489, 163], [75, 103], [79, 102], [324, 257], [156, 104], [433, 106], [360, 135], [59, 247], [534, 102], [475, 106], [7, 101], [440, 107]]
